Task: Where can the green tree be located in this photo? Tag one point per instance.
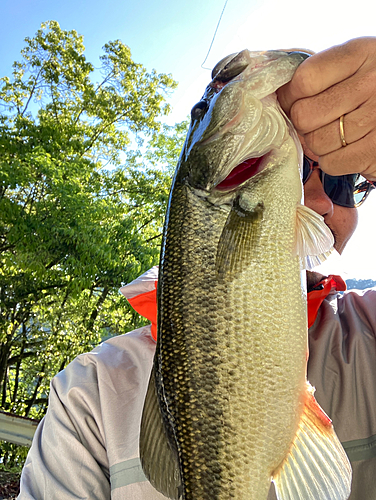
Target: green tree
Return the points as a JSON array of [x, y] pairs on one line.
[[84, 178]]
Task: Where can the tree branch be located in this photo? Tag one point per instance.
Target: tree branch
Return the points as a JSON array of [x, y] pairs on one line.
[[4, 394], [31, 92], [17, 374], [154, 238], [33, 398], [95, 311], [23, 355]]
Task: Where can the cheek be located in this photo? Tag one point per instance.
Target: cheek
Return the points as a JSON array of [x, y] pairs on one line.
[[343, 222]]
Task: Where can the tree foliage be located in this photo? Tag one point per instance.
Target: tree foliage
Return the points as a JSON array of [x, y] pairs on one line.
[[84, 178]]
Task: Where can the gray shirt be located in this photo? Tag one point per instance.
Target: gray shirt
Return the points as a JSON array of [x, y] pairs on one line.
[[86, 447]]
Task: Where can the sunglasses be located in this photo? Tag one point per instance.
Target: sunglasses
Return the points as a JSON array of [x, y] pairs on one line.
[[345, 190]]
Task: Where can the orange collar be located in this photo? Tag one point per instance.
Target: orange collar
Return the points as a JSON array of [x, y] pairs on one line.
[[320, 292], [146, 305]]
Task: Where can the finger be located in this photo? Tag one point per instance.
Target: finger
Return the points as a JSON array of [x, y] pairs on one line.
[[358, 157], [314, 112], [323, 70], [357, 124]]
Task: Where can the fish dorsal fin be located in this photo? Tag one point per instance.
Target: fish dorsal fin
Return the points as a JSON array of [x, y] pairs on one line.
[[317, 467], [238, 239], [313, 239], [159, 461]]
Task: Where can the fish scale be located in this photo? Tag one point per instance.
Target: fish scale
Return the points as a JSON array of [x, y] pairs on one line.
[[201, 343], [223, 403], [228, 408]]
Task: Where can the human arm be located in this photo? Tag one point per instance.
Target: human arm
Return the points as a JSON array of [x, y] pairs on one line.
[[87, 445], [68, 459], [338, 81]]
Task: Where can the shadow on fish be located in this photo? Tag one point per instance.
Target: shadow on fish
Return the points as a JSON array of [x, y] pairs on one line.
[[228, 408]]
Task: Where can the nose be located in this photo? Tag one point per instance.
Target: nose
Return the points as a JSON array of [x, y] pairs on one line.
[[315, 196]]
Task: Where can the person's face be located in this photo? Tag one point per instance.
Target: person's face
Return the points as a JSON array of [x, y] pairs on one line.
[[341, 221]]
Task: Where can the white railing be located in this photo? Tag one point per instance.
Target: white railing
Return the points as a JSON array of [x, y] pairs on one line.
[[16, 429]]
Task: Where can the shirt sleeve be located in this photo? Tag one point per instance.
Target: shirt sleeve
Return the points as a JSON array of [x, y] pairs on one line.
[[68, 458]]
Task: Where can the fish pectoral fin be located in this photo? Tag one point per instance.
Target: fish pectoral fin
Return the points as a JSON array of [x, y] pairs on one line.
[[317, 467], [239, 237], [313, 239], [158, 459]]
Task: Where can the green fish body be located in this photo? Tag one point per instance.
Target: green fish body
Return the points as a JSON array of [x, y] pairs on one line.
[[228, 408]]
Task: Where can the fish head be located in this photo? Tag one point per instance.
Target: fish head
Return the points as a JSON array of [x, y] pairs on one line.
[[237, 122]]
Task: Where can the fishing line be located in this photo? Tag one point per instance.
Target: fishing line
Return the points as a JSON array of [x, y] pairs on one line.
[[215, 32]]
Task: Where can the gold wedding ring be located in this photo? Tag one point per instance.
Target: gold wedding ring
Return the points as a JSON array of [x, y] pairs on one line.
[[342, 131]]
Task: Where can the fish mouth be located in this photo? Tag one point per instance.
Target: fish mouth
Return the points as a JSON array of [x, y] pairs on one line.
[[241, 173]]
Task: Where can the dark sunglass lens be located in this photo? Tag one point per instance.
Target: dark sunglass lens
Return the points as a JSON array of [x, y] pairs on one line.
[[340, 189], [306, 169]]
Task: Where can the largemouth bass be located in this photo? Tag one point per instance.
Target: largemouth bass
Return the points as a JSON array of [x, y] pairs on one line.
[[228, 407]]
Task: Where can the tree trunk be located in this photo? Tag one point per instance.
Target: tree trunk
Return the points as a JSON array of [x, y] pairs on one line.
[[4, 355], [34, 396]]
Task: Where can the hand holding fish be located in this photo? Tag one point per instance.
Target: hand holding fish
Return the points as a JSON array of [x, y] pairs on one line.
[[340, 81]]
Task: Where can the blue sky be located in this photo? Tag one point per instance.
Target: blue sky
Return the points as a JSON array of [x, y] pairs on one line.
[[160, 34], [174, 37]]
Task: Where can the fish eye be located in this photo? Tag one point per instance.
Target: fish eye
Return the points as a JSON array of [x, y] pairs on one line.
[[198, 110], [222, 64]]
